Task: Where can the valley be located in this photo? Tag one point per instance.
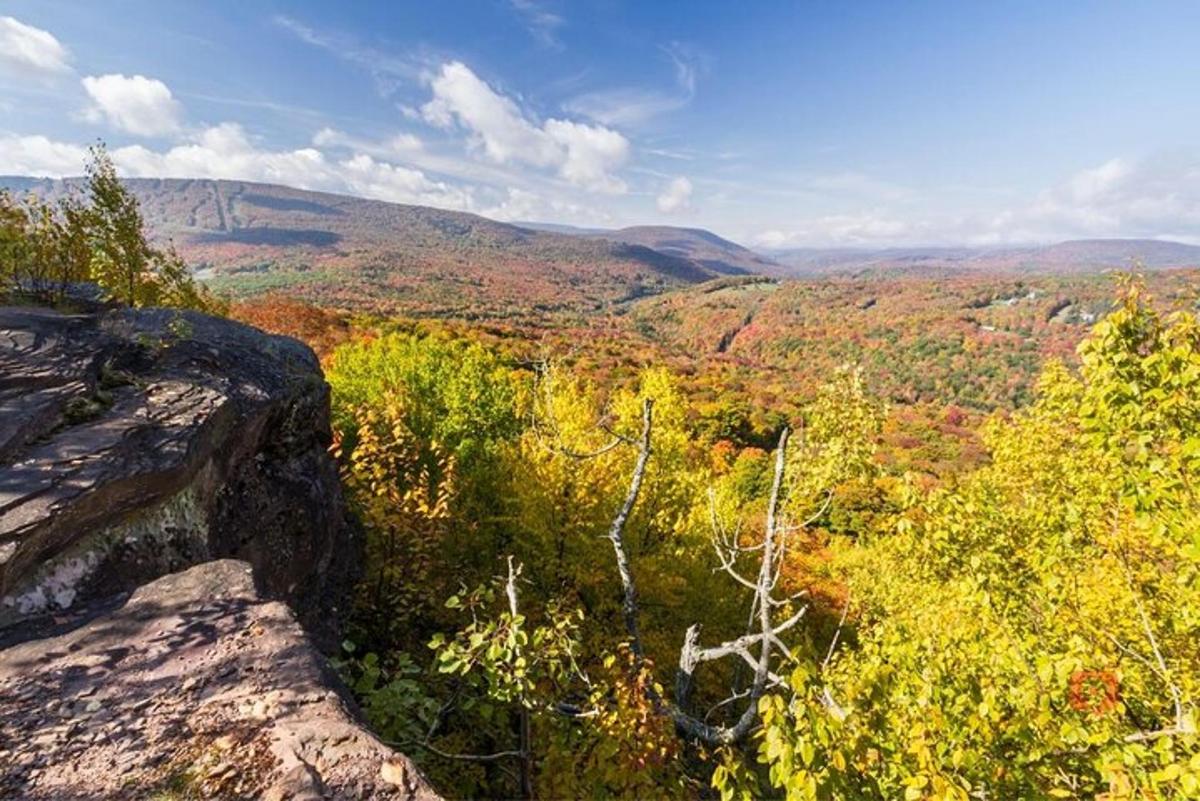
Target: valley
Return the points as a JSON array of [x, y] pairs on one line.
[[548, 400], [479, 404]]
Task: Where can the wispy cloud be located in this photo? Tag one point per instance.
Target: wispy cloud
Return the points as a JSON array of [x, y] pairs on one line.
[[264, 105], [678, 155], [688, 61], [541, 23], [634, 105], [388, 70], [625, 106]]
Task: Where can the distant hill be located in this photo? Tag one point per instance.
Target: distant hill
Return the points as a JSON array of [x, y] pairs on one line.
[[1152, 253], [248, 238], [1084, 255], [560, 228], [704, 247], [695, 244]]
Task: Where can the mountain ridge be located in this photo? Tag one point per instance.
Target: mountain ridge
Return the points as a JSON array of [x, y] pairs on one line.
[[250, 237], [698, 244], [1073, 255], [335, 249]]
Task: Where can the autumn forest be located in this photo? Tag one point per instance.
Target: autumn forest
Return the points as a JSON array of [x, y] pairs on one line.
[[924, 534]]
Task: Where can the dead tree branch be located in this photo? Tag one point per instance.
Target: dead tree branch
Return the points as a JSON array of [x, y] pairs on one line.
[[629, 604], [765, 639]]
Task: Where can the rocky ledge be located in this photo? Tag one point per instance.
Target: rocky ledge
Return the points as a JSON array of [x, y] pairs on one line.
[[141, 451], [193, 688], [135, 443]]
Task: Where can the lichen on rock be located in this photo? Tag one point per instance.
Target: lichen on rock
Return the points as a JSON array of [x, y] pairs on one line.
[[211, 441], [141, 452], [157, 541]]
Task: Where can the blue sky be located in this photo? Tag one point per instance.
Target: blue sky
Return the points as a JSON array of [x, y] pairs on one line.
[[779, 124]]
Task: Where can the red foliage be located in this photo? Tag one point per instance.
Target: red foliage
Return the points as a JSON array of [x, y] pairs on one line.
[[1094, 691]]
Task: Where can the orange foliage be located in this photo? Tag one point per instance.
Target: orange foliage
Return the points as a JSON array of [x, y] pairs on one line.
[[320, 329]]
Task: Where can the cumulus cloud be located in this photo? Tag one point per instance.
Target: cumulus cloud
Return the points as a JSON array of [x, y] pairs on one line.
[[225, 151], [519, 204], [493, 120], [40, 157], [1156, 197], [1152, 197], [591, 153], [676, 196], [135, 104], [30, 52], [522, 205], [363, 175], [584, 155]]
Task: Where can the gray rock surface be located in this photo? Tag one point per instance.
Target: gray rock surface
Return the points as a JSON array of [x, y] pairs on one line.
[[139, 449], [134, 443], [194, 687]]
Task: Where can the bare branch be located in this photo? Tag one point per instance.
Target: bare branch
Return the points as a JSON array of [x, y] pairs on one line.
[[765, 639], [496, 757], [731, 699], [510, 586], [617, 529], [836, 634]]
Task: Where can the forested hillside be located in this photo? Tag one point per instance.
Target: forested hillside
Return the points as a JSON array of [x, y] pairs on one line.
[[550, 400], [246, 239], [577, 587], [863, 537]]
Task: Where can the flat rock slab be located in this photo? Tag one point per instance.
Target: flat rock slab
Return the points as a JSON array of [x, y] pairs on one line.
[[194, 687]]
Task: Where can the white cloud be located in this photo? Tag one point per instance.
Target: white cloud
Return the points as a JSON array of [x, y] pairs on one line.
[[29, 51], [1157, 197], [40, 157], [584, 155], [676, 196], [135, 104], [592, 153], [518, 205], [225, 151], [397, 145], [367, 177], [1152, 198], [1100, 198], [522, 205], [494, 121]]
